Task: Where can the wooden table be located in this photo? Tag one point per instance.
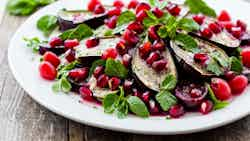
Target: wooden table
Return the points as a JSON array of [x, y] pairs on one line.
[[22, 119]]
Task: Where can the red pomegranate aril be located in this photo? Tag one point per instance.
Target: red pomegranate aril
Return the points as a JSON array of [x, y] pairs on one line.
[[154, 56], [136, 27], [86, 93], [121, 47], [70, 55], [47, 70], [140, 16], [126, 60], [174, 9], [55, 41], [79, 74], [207, 33], [152, 33], [111, 22], [160, 65], [136, 93], [199, 19], [118, 3], [238, 84], [157, 12], [114, 12], [229, 75], [236, 32], [154, 110], [176, 111], [227, 25], [221, 89], [52, 58], [70, 43], [127, 85], [224, 16], [130, 37], [114, 83], [242, 25], [245, 53], [215, 28], [144, 50], [194, 93], [92, 42], [145, 97], [206, 107], [132, 4], [99, 9], [92, 4], [200, 58], [142, 7], [158, 45], [102, 81], [109, 53], [99, 70]]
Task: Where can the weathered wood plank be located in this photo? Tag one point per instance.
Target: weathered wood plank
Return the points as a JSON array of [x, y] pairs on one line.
[[76, 131]]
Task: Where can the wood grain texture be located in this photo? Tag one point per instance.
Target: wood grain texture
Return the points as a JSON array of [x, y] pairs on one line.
[[22, 119]]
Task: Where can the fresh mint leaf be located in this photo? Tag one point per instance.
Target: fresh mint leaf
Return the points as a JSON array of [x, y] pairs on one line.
[[115, 68], [199, 6], [56, 87], [80, 32], [188, 25], [108, 32], [47, 24], [33, 43], [214, 67], [169, 83], [125, 17], [44, 2], [137, 106], [109, 102], [21, 7], [151, 20], [65, 85], [166, 100], [224, 62], [63, 69], [162, 32], [236, 64], [96, 63], [122, 110], [157, 3], [187, 42]]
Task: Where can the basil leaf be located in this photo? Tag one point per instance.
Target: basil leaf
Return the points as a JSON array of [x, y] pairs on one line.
[[80, 32], [214, 67], [169, 83], [199, 6], [115, 68], [47, 24], [33, 43], [137, 106], [65, 85], [236, 64], [96, 63], [109, 102], [21, 7], [166, 100], [125, 17], [187, 42], [188, 25]]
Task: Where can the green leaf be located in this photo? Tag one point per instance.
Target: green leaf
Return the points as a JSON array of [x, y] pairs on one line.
[[214, 67], [47, 24], [188, 25], [199, 6], [63, 69], [166, 100], [96, 63], [169, 83], [109, 102], [44, 2], [33, 43], [220, 59], [65, 85], [217, 103], [162, 32], [125, 17], [56, 87], [152, 2], [122, 110], [21, 7], [80, 32], [119, 29], [236, 64], [137, 106], [187, 42], [151, 20], [115, 68], [108, 32]]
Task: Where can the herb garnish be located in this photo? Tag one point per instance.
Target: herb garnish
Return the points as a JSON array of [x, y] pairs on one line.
[[199, 6], [236, 64], [33, 43], [47, 24], [115, 68]]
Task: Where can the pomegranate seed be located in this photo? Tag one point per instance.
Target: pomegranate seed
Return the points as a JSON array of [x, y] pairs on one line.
[[99, 9], [70, 55], [176, 111], [126, 60], [118, 3], [47, 70], [70, 43], [158, 12], [154, 110], [109, 53], [229, 75], [227, 25], [173, 9], [136, 93], [158, 45], [221, 89], [79, 74], [236, 32], [238, 84], [130, 37], [206, 107], [111, 22], [207, 33], [136, 27], [224, 16], [154, 56], [114, 83], [245, 53], [132, 4], [92, 42], [121, 47], [102, 81], [199, 19], [242, 25], [92, 4], [194, 93], [142, 7], [114, 12], [127, 86], [144, 50], [98, 71], [55, 41], [214, 27], [160, 65], [140, 16], [52, 58], [152, 33], [145, 97], [86, 94], [200, 58]]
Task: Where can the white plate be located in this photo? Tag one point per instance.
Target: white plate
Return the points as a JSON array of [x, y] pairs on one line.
[[24, 65]]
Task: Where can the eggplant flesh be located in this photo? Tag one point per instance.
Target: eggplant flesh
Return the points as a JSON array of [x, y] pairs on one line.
[[71, 19], [148, 77], [58, 50]]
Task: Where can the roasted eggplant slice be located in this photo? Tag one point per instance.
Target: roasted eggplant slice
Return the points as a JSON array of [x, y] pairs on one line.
[[148, 77], [208, 61], [58, 50], [70, 19]]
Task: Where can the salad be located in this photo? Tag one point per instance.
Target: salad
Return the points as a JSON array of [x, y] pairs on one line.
[[155, 58]]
